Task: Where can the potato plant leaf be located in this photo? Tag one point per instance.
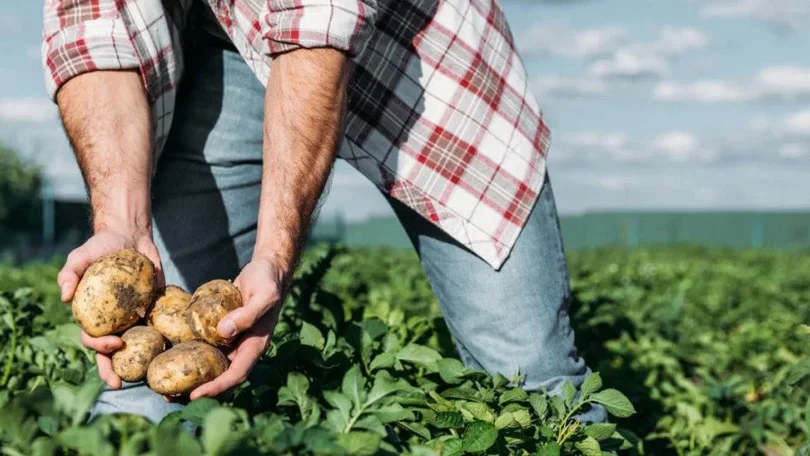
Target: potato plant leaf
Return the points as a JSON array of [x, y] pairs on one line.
[[479, 436]]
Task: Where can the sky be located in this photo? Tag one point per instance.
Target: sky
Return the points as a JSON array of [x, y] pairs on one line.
[[652, 104]]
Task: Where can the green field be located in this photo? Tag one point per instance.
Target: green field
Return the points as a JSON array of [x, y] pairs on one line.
[[709, 346]]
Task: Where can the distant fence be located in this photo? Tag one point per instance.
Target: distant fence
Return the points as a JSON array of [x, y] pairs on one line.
[[784, 230], [781, 230]]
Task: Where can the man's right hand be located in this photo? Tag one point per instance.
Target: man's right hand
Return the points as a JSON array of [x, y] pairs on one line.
[[102, 243]]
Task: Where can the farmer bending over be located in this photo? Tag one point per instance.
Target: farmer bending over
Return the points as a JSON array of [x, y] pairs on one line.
[[206, 132]]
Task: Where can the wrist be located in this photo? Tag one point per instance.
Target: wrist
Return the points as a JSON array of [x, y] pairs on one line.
[[122, 222]]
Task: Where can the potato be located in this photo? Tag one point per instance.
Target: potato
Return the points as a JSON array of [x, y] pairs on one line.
[[141, 345], [209, 303], [168, 315], [184, 367], [114, 293]]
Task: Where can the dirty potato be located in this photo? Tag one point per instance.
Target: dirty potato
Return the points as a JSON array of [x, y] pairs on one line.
[[209, 303], [114, 293], [141, 345], [184, 367], [168, 316]]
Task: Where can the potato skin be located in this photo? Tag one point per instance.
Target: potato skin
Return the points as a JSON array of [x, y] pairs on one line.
[[114, 293], [168, 315], [141, 345], [184, 367], [209, 303]]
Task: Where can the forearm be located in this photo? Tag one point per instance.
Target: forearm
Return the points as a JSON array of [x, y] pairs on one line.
[[305, 106], [106, 117]]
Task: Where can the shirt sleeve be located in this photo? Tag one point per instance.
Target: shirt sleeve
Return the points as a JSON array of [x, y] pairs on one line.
[[83, 36], [340, 24]]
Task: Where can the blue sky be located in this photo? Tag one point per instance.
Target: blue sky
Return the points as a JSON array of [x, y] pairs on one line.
[[668, 104]]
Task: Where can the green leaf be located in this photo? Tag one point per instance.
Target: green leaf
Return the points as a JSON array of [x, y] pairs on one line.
[[476, 411], [385, 385], [600, 431], [295, 390], [446, 420], [43, 446], [451, 370], [371, 423], [339, 401], [505, 420], [549, 449], [85, 398], [48, 424], [452, 447], [589, 447], [383, 361], [416, 428], [513, 395], [499, 381], [311, 336], [479, 436], [461, 392], [615, 402], [569, 392], [557, 406], [419, 355], [523, 418], [360, 443], [171, 439], [196, 410], [218, 435], [88, 440], [352, 386], [592, 384], [539, 404], [393, 412]]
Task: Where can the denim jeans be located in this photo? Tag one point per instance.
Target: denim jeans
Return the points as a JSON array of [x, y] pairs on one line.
[[205, 202]]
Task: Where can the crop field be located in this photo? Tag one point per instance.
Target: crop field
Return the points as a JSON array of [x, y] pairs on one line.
[[697, 352]]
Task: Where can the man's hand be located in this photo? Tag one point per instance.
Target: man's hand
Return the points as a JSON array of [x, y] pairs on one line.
[[305, 105], [106, 117], [261, 285], [102, 243]]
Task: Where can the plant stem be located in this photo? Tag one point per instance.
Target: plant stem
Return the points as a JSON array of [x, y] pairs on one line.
[[12, 351]]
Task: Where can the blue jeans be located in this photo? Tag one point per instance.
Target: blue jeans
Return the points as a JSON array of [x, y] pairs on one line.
[[205, 202]]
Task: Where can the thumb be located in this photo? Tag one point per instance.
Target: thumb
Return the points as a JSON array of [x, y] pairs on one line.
[[243, 318], [148, 248]]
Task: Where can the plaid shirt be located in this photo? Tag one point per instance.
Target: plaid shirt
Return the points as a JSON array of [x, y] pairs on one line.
[[440, 112]]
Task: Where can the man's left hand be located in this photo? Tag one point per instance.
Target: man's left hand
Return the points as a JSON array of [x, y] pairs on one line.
[[261, 285]]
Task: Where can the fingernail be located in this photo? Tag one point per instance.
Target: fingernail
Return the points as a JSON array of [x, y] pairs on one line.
[[63, 289], [227, 329]]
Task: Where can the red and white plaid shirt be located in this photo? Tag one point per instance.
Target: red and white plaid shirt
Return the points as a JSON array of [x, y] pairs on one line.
[[440, 112]]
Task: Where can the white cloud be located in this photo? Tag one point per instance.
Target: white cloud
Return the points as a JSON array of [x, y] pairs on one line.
[[544, 39], [27, 109], [781, 82], [784, 14], [677, 145], [702, 91], [799, 123], [650, 59], [610, 141], [571, 87], [632, 65]]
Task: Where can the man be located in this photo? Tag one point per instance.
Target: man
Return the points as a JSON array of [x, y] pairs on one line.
[[206, 132]]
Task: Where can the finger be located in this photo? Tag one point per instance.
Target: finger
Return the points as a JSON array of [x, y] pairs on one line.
[[76, 263], [105, 371], [148, 248], [247, 316], [249, 352], [104, 344]]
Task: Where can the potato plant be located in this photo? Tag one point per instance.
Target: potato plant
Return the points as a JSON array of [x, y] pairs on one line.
[[708, 345]]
